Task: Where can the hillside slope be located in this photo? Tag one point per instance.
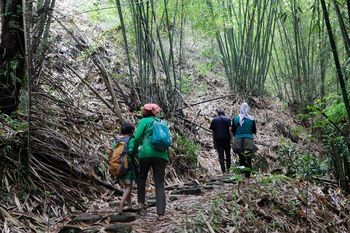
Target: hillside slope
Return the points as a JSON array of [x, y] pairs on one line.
[[73, 132]]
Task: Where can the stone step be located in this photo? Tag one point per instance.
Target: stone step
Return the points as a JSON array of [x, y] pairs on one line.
[[122, 218], [118, 228], [87, 218]]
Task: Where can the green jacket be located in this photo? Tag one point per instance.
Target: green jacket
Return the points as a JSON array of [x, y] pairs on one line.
[[143, 137]]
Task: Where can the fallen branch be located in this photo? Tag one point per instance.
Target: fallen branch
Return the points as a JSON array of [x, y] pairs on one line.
[[85, 82], [96, 60], [205, 101], [107, 185], [324, 180], [10, 217], [262, 144], [188, 121], [209, 226]]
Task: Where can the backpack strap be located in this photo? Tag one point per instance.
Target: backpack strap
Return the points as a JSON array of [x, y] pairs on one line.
[[125, 140], [156, 119]]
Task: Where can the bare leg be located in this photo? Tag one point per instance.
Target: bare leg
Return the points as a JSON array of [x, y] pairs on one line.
[[126, 193], [128, 199]]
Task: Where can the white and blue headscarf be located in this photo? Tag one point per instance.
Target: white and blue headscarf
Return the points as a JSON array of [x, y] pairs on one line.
[[244, 114]]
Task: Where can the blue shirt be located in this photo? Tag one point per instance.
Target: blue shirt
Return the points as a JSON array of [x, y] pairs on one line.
[[220, 125]]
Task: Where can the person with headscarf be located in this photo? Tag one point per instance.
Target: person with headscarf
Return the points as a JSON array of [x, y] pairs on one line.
[[150, 158], [222, 139], [243, 128]]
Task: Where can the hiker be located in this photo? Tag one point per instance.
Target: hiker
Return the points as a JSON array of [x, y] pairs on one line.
[[222, 139], [243, 128], [127, 180], [149, 157]]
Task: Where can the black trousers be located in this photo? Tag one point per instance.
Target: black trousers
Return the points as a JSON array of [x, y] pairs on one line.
[[246, 160], [223, 147], [158, 166]]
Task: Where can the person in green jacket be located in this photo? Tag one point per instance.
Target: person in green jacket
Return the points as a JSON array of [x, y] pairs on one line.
[[150, 158]]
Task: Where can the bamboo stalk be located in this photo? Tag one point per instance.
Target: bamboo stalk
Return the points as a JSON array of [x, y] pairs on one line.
[[150, 49], [245, 52], [29, 73], [336, 60]]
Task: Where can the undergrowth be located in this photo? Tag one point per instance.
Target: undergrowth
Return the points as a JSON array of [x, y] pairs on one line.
[[298, 160], [185, 153]]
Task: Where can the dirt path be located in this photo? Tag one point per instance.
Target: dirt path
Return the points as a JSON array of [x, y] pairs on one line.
[[266, 203], [102, 217]]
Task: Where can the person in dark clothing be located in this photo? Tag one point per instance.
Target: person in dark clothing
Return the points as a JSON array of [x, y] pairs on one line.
[[222, 139], [243, 128]]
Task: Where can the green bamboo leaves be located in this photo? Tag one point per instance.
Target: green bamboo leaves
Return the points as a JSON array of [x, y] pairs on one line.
[[153, 27], [245, 38]]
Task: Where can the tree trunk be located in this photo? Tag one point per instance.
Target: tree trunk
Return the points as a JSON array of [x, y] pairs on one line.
[[336, 60], [344, 182], [340, 169], [322, 46], [12, 68], [343, 30]]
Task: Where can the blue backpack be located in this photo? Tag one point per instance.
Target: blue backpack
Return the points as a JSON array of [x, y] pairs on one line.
[[160, 136]]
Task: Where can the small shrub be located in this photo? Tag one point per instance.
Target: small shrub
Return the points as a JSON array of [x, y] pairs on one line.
[[186, 153], [300, 159]]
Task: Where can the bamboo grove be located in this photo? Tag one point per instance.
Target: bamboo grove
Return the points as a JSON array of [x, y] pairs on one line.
[[245, 41], [155, 31]]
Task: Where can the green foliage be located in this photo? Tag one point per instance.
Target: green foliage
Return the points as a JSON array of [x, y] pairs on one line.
[[101, 11], [329, 117], [300, 160], [197, 16], [186, 148], [187, 82], [12, 123], [239, 169], [245, 50], [267, 180], [4, 196], [9, 69]]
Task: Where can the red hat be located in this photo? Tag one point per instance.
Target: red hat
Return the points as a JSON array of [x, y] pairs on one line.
[[147, 108]]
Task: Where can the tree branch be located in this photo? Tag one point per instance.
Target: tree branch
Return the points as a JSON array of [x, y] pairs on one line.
[[205, 101]]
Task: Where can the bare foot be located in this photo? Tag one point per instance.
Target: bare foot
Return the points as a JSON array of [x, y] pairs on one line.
[[160, 217], [141, 206]]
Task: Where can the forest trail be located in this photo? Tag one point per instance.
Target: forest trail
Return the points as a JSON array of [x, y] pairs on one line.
[[222, 204], [102, 215]]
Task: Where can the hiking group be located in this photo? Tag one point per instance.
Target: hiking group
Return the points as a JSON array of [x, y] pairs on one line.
[[239, 134], [137, 152]]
